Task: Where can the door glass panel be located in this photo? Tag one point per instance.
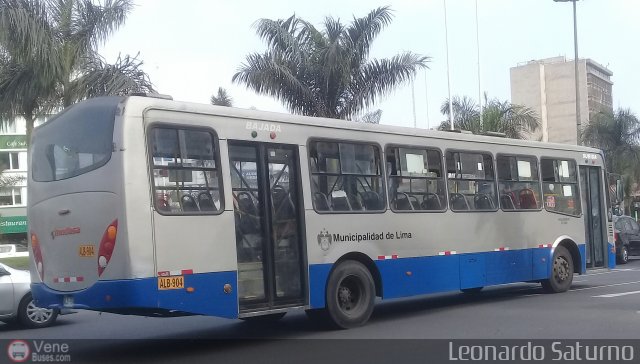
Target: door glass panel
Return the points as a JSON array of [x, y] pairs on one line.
[[247, 201], [587, 217], [596, 216], [284, 222]]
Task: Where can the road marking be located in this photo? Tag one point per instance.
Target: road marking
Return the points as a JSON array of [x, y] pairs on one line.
[[615, 270], [611, 295], [603, 286]]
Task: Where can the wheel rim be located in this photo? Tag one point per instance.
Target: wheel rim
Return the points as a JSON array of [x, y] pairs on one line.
[[625, 255], [350, 295], [37, 314], [561, 269]]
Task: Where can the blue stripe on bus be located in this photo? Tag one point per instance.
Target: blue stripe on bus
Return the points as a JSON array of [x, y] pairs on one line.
[[405, 277], [208, 297], [612, 254]]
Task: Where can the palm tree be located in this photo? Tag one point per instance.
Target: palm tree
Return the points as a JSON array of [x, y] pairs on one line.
[[222, 98], [618, 135], [514, 121], [49, 59], [372, 117], [326, 72]]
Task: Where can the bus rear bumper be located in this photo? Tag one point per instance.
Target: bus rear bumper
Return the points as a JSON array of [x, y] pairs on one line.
[[203, 294]]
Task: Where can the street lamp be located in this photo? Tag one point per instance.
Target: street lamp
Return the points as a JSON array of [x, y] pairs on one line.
[[575, 46]]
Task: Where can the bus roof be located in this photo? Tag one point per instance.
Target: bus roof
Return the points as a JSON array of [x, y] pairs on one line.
[[136, 105]]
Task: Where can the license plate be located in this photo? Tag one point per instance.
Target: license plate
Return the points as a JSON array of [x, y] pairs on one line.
[[176, 282], [86, 251], [68, 301]]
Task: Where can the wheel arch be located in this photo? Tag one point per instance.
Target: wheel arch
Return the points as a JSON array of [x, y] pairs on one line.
[[569, 243], [368, 263]]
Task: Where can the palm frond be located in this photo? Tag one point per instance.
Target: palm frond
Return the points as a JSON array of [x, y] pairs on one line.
[[378, 77], [94, 23], [100, 78], [270, 75], [27, 34], [363, 31], [222, 98]]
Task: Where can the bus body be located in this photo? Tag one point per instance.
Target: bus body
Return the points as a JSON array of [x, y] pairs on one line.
[[140, 205]]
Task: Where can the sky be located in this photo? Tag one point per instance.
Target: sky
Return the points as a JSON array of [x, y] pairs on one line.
[[192, 47]]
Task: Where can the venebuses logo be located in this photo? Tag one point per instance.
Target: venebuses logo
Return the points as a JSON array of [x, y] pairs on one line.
[[18, 351]]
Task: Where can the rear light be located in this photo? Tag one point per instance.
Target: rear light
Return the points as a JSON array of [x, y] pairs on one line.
[[616, 237], [107, 244], [37, 255]]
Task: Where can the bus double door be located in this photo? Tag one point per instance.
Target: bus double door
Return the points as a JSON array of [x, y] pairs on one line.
[[594, 219], [265, 181]]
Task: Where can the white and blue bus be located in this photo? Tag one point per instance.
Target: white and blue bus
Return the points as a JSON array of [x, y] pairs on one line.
[[147, 206]]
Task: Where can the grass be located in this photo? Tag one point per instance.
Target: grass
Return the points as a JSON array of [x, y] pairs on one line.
[[16, 262]]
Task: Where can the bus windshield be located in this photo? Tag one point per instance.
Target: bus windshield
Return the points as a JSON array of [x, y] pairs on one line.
[[77, 141]]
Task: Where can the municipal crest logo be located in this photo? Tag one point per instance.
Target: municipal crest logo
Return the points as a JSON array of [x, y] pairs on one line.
[[324, 240]]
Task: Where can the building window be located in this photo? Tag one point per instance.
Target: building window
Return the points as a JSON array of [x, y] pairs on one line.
[[185, 171], [519, 183], [9, 161], [560, 186], [416, 181], [346, 177], [10, 196], [471, 182]]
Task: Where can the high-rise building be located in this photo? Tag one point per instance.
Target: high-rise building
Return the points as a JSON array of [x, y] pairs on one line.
[[548, 87]]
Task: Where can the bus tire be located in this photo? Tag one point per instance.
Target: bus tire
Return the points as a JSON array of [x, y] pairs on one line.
[[350, 295], [561, 272]]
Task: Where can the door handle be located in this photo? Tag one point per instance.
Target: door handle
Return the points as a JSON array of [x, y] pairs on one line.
[[64, 212]]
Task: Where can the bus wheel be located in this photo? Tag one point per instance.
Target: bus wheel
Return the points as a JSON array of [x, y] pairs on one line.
[[350, 295], [562, 272], [471, 291], [272, 317]]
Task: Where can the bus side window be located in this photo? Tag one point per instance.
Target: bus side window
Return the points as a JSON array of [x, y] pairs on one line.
[[471, 182], [560, 186], [346, 177], [416, 179], [518, 183], [185, 169]]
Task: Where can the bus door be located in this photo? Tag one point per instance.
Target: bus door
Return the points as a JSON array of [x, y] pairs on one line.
[[268, 224], [594, 219]]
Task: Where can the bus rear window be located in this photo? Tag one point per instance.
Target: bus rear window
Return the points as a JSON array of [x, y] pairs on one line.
[[77, 141]]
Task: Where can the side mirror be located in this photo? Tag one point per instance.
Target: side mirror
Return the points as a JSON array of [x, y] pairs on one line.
[[4, 272]]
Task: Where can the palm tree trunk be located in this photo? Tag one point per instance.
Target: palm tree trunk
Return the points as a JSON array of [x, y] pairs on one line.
[[29, 119]]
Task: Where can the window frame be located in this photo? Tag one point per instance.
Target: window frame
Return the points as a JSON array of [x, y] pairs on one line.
[[495, 176], [151, 166], [348, 141], [442, 170], [12, 194], [11, 167], [540, 189], [578, 184]]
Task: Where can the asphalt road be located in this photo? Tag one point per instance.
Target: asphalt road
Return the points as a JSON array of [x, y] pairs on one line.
[[600, 305]]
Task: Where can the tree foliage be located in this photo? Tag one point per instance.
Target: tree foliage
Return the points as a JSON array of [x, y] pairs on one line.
[[49, 59], [222, 98], [618, 135], [515, 121], [326, 72]]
